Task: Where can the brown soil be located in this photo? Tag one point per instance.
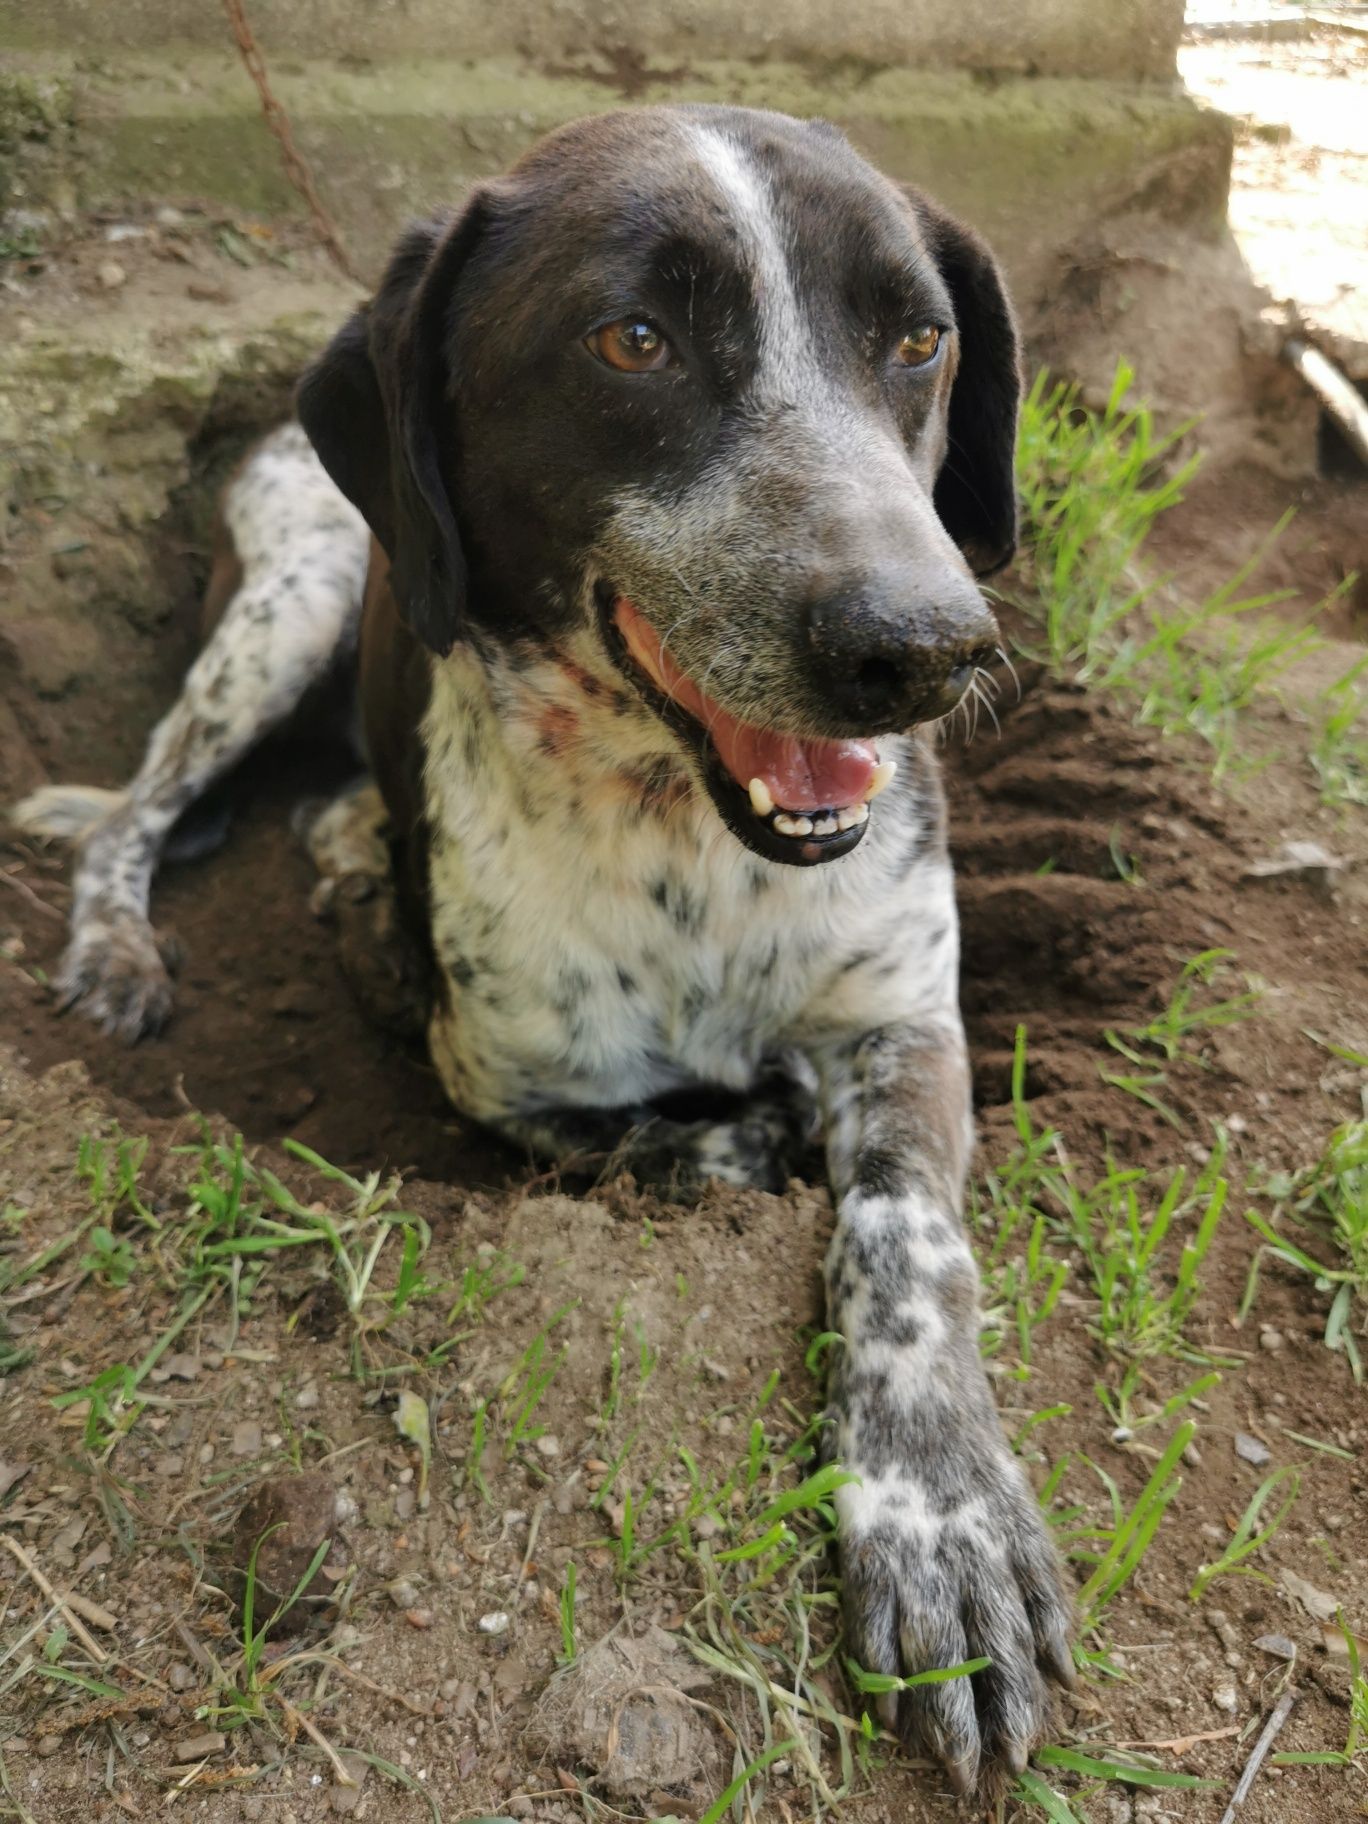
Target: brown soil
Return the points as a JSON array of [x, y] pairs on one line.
[[267, 1040]]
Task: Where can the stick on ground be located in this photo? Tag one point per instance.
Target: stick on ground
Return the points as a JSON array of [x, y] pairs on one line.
[[74, 1622], [1281, 1711]]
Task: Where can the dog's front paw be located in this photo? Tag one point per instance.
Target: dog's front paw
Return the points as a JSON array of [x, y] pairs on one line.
[[115, 971], [945, 1558]]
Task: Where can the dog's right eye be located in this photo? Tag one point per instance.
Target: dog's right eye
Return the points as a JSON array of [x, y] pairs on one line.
[[633, 345]]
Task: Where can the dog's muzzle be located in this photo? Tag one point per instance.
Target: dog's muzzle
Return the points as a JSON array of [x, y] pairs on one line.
[[789, 798]]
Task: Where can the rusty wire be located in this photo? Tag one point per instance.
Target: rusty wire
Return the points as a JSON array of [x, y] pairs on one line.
[[296, 166]]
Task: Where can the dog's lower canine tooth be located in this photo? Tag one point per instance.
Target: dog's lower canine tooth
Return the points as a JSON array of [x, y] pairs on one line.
[[881, 778], [761, 802]]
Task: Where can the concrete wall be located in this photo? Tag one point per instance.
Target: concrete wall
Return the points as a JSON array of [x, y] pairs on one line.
[[1118, 39], [1032, 161]]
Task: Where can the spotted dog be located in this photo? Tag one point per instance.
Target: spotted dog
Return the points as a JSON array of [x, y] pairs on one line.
[[646, 500]]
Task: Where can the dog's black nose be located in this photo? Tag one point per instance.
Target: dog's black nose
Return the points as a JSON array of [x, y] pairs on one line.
[[896, 652]]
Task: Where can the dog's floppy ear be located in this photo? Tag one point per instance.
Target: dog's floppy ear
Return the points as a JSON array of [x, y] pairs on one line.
[[377, 407], [976, 490]]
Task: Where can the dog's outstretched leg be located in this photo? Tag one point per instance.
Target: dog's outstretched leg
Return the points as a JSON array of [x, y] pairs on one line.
[[945, 1553], [303, 552]]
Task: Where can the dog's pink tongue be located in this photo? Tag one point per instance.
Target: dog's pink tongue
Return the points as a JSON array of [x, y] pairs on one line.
[[798, 775]]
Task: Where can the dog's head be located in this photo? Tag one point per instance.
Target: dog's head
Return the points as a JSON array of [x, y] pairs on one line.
[[703, 381]]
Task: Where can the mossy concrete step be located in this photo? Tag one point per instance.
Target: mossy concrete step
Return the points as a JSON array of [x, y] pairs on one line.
[[1119, 39], [1031, 161]]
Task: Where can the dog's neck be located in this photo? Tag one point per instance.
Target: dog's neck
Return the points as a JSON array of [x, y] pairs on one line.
[[557, 733]]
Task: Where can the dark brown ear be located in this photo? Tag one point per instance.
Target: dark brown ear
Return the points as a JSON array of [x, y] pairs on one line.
[[377, 407], [976, 489]]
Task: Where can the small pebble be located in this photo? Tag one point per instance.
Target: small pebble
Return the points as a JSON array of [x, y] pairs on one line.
[[1225, 1697], [199, 1747], [421, 1619], [1278, 1645], [111, 275], [180, 1678], [246, 1439], [567, 1496], [305, 1400], [1272, 1340], [496, 1622], [1250, 1450], [1223, 1629], [48, 1744], [548, 1446], [403, 1595]]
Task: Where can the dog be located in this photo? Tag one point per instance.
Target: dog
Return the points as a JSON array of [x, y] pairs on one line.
[[647, 500]]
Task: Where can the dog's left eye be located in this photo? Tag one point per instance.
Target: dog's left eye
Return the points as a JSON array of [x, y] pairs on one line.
[[633, 345], [918, 348]]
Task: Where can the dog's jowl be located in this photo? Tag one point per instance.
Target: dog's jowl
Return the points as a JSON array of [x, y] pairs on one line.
[[645, 502]]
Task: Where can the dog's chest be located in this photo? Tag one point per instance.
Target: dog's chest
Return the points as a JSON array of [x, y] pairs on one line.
[[595, 951], [602, 981]]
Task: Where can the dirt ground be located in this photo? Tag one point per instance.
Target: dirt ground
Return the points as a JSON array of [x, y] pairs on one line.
[[1094, 858], [267, 1040]]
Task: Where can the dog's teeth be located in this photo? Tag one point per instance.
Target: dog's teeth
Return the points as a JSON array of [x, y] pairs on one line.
[[792, 826], [852, 815], [881, 778], [824, 826], [761, 802]]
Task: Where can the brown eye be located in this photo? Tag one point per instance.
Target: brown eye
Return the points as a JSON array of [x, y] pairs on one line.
[[633, 345], [918, 348]]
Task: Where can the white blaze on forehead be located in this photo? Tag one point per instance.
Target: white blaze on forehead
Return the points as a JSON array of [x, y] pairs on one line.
[[784, 352]]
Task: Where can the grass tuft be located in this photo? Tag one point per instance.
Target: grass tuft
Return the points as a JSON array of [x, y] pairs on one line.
[[1093, 484], [1328, 1201]]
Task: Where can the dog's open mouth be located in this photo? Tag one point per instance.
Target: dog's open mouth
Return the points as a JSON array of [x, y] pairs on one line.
[[789, 799]]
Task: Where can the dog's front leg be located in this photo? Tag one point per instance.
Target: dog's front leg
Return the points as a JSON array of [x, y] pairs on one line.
[[944, 1553]]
